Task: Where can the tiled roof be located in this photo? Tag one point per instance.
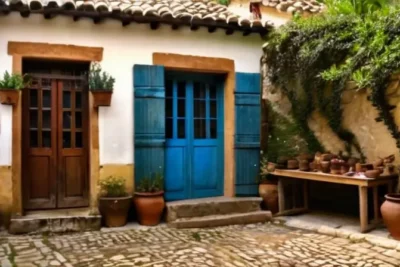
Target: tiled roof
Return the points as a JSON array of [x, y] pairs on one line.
[[290, 6], [190, 12]]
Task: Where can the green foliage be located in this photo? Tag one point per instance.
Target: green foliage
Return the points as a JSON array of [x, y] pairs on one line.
[[152, 184], [312, 59], [224, 2], [112, 186], [13, 81], [100, 80], [359, 7]]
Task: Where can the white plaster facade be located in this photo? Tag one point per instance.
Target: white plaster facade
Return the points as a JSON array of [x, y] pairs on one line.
[[123, 48]]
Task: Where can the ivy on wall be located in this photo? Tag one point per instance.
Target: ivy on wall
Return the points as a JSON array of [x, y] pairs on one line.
[[312, 59]]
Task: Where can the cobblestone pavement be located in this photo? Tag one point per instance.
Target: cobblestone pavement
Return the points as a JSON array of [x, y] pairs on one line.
[[233, 246]]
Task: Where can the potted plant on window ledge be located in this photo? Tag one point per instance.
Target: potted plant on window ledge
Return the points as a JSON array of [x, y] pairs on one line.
[[114, 202], [149, 200], [10, 87], [101, 84]]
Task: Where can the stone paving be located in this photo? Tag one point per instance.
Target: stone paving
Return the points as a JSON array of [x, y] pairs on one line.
[[232, 246]]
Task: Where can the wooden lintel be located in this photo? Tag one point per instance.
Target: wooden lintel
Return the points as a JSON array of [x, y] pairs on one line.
[[154, 25]]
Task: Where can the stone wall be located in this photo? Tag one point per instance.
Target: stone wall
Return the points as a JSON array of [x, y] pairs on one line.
[[358, 117]]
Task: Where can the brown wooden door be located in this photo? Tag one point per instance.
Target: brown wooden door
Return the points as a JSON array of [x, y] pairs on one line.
[[55, 143]]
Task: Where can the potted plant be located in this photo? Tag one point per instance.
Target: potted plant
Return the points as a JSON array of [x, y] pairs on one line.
[[390, 210], [149, 199], [114, 201], [10, 87], [268, 187], [101, 84]]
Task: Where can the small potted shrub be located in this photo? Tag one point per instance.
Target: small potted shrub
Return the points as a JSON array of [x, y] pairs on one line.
[[268, 187], [114, 202], [10, 87], [390, 210], [101, 84], [149, 199]]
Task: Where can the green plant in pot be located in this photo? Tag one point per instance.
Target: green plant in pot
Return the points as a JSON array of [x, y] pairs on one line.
[[149, 199], [268, 186], [114, 201], [10, 85], [390, 210], [101, 84]]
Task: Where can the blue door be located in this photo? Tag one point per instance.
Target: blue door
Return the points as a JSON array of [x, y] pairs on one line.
[[194, 136]]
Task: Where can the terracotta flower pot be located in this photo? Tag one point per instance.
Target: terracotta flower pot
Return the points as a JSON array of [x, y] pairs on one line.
[[114, 210], [282, 160], [149, 207], [269, 194], [327, 157], [101, 98], [304, 165], [390, 210], [271, 167], [372, 173], [9, 96], [292, 164], [325, 166]]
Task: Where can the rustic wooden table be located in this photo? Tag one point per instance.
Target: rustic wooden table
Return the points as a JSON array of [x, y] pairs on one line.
[[363, 184]]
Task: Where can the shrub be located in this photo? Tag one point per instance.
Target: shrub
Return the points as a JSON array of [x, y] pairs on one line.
[[100, 80], [112, 186], [13, 81], [152, 184]]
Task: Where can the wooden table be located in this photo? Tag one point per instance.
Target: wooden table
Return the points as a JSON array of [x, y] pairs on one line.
[[362, 183]]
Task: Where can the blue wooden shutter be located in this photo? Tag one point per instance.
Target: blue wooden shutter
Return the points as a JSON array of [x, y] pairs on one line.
[[247, 133], [149, 116]]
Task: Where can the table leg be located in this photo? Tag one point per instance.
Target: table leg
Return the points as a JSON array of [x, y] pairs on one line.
[[376, 203], [305, 193], [281, 195], [363, 196]]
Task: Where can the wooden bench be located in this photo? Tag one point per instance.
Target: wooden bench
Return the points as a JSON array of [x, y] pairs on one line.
[[363, 184]]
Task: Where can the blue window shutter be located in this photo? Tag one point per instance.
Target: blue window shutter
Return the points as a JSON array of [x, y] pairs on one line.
[[247, 133], [149, 120]]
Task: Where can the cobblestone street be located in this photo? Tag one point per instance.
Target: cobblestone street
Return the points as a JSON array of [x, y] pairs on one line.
[[252, 245]]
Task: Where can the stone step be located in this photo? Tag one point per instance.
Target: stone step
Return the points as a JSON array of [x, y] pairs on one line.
[[210, 206], [55, 221], [222, 220]]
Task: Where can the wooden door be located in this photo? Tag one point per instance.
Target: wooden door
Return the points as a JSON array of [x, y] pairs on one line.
[[194, 136], [55, 143]]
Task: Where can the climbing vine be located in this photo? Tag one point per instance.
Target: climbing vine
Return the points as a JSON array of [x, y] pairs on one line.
[[312, 60]]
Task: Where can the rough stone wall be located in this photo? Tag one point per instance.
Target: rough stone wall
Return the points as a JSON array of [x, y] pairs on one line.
[[358, 117]]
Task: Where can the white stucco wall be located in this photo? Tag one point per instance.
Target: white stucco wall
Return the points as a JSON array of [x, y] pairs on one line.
[[123, 47]]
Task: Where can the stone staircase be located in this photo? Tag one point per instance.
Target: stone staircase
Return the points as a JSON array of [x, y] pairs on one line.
[[218, 211], [55, 221]]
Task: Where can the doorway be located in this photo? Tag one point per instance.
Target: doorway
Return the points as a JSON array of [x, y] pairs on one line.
[[194, 136], [55, 135]]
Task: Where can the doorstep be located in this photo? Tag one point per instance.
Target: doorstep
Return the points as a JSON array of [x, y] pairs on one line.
[[55, 221]]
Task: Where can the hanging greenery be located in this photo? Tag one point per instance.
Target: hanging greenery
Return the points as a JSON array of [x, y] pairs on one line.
[[312, 59]]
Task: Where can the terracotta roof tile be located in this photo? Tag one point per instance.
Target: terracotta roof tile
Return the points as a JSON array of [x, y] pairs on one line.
[[194, 11]]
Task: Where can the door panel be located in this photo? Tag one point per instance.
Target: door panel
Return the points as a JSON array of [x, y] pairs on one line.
[[72, 159], [55, 143], [39, 136], [194, 141]]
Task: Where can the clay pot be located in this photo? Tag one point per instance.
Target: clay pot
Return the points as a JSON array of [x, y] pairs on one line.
[[390, 210], [280, 166], [372, 173], [282, 160], [292, 164], [101, 97], [9, 96], [325, 166], [149, 207], [304, 165], [366, 167], [380, 169], [378, 163], [336, 166], [271, 167], [307, 157], [114, 210], [353, 161], [345, 168], [269, 194], [314, 166]]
